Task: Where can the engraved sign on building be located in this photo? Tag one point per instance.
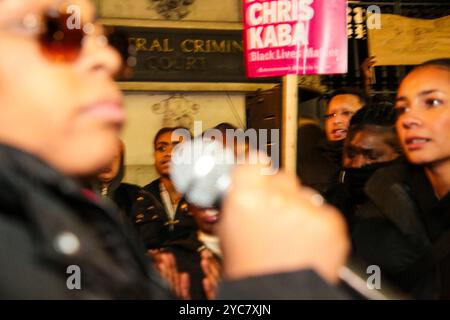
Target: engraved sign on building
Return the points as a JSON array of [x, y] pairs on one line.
[[185, 55]]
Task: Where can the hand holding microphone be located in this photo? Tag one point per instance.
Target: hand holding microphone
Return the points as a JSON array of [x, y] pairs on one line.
[[268, 224]]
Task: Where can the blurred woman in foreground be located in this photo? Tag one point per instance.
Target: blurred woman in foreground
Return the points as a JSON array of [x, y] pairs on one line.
[[60, 116]]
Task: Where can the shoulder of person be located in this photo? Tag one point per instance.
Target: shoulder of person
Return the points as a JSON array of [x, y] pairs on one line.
[[391, 183], [390, 198], [130, 186], [23, 275], [396, 172], [153, 186]]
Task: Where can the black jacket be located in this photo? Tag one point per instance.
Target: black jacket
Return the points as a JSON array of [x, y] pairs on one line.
[[153, 223], [319, 162], [391, 231], [48, 224], [123, 194]]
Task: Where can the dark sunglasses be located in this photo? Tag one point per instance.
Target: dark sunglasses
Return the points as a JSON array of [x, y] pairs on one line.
[[59, 42]]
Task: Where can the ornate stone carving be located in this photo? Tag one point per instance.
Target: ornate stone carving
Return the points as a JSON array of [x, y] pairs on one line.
[[176, 111], [172, 9]]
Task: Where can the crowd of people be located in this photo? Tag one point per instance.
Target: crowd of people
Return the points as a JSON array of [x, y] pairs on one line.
[[387, 176], [374, 185]]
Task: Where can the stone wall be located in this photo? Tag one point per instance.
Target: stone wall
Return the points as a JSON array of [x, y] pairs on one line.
[[148, 112]]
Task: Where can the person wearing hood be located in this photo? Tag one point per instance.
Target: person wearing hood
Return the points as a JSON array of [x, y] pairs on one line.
[[371, 144], [320, 154], [108, 183]]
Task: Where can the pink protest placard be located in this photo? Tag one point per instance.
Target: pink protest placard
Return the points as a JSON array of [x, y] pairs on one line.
[[295, 37]]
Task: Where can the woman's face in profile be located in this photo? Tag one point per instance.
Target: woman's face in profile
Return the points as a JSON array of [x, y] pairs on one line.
[[67, 112], [423, 106]]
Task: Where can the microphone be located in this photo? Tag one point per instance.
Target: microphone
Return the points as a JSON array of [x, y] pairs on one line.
[[201, 171]]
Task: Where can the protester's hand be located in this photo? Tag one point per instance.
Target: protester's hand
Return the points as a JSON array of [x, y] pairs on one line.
[[165, 263], [366, 69], [271, 224], [184, 285], [213, 273]]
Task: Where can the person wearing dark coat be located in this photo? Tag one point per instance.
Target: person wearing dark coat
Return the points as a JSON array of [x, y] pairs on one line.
[[108, 184], [404, 227], [60, 117], [160, 213], [319, 154], [319, 161], [154, 226], [371, 144], [49, 223]]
